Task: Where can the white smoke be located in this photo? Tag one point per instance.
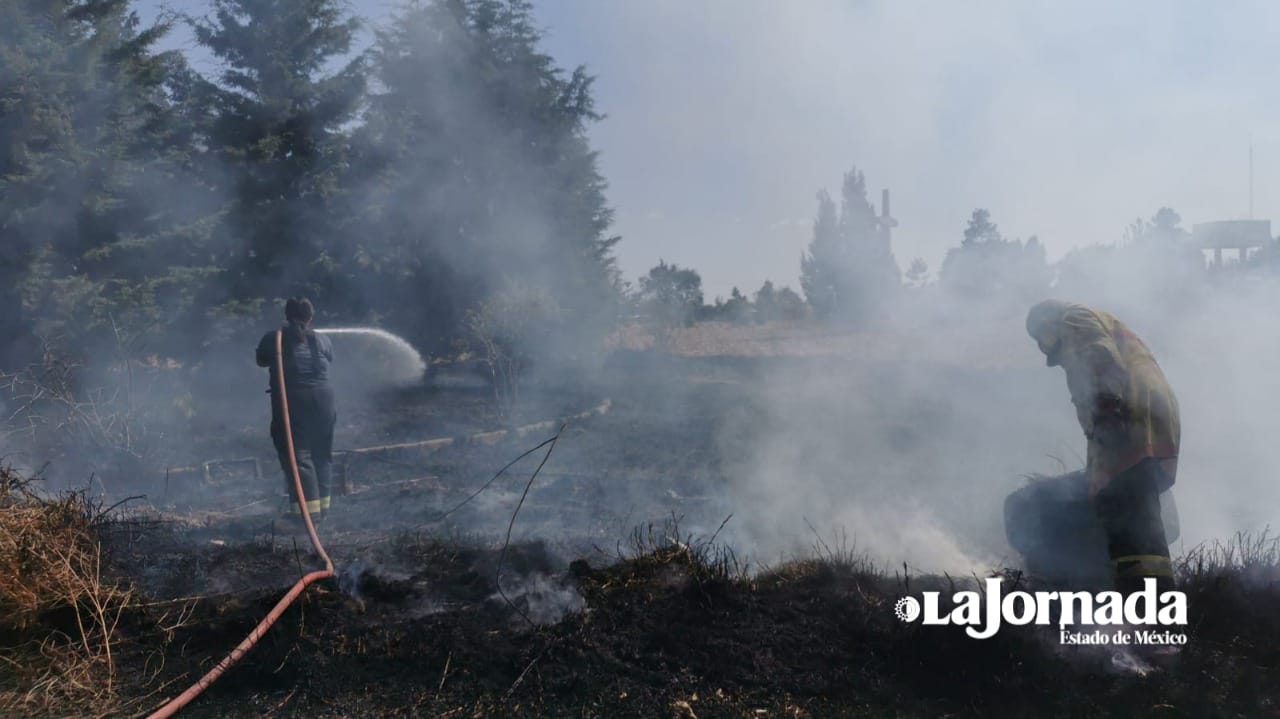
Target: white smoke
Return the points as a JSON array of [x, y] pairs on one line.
[[542, 598]]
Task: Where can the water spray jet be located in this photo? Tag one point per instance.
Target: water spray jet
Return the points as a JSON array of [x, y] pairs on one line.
[[405, 364]]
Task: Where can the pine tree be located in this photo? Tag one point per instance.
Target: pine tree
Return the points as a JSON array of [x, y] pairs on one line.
[[872, 276], [791, 306], [849, 271], [483, 169], [981, 230], [821, 267], [986, 265], [278, 130], [737, 308], [766, 302], [84, 123]]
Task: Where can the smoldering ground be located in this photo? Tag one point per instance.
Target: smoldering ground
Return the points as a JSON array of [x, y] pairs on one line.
[[912, 456], [903, 446]]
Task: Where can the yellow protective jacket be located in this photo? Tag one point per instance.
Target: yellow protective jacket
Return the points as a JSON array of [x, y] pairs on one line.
[[1104, 358]]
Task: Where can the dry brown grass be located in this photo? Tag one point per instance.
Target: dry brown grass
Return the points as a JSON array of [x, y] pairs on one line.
[[59, 613], [990, 345]]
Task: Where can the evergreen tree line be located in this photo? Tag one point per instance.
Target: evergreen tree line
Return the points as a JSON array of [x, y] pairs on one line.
[[848, 272], [671, 296], [154, 209]]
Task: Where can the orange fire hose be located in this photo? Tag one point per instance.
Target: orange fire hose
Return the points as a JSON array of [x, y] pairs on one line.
[[259, 631]]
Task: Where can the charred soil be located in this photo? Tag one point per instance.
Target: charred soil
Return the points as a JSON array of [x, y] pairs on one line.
[[599, 607]]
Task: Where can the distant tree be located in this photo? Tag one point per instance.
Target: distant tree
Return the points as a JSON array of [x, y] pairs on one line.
[[822, 267], [987, 265], [1033, 275], [981, 230], [710, 312], [789, 305], [1085, 271], [737, 309], [1166, 220], [669, 298], [769, 304], [1156, 262], [918, 272], [1165, 245], [849, 270], [1164, 226], [766, 303]]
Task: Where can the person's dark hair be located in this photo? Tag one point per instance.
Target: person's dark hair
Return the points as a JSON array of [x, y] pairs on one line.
[[298, 311]]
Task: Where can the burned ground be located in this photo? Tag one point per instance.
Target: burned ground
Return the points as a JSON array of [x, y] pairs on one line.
[[624, 591], [673, 631]]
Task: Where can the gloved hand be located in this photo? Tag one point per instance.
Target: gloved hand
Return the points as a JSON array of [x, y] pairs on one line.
[[1110, 420]]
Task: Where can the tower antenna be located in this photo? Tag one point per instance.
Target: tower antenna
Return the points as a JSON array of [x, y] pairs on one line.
[[1251, 176]]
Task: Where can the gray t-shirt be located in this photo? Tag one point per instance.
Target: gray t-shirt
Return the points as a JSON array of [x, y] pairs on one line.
[[306, 363]]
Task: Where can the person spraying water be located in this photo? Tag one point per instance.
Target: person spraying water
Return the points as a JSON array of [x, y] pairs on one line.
[[312, 412], [298, 366]]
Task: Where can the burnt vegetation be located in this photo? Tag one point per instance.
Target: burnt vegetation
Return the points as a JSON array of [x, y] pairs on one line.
[[667, 624], [440, 183], [433, 615]]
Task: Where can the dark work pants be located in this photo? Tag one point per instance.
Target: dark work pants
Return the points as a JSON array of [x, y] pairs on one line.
[[1129, 509], [312, 417]]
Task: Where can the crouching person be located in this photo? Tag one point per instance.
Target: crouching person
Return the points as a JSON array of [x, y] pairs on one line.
[[1130, 418]]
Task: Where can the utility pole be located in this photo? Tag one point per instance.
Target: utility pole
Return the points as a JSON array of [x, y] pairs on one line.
[[1251, 176]]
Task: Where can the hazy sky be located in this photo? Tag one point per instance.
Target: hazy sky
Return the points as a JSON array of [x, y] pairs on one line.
[[1065, 120]]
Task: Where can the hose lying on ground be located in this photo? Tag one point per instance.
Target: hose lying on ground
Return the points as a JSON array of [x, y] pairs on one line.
[[172, 707]]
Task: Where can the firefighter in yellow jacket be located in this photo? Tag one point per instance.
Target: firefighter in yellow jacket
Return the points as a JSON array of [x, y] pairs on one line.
[[1130, 417]]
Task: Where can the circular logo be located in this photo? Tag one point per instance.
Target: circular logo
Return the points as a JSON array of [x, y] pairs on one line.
[[907, 609]]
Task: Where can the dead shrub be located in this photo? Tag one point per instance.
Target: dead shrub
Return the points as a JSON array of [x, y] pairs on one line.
[[508, 330], [667, 551], [1251, 556], [69, 412], [59, 612]]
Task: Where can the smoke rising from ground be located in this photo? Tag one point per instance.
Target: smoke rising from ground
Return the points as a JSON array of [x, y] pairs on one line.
[[543, 599], [911, 453], [907, 439]]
